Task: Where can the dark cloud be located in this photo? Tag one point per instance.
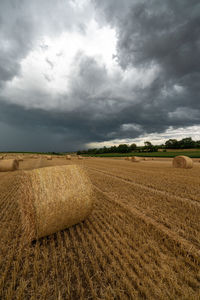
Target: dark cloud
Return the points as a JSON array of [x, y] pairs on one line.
[[162, 36]]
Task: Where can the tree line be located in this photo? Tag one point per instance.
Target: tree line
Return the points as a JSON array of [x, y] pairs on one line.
[[186, 143]]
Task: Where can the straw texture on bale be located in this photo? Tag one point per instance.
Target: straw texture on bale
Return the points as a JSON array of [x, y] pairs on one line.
[[68, 157], [53, 198], [9, 165], [135, 159], [20, 158], [184, 162]]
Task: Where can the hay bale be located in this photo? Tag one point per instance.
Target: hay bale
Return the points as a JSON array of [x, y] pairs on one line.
[[49, 157], [53, 198], [7, 165], [68, 157], [1, 157], [128, 158], [135, 159], [184, 162], [20, 158], [80, 157]]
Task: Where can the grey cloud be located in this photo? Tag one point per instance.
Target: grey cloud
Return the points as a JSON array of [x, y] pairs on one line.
[[101, 106], [50, 63], [165, 34], [23, 23]]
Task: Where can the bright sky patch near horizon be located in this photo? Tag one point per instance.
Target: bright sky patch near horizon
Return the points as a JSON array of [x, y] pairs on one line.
[[78, 74]]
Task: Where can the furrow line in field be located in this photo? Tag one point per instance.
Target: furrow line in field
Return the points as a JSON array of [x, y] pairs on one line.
[[95, 265], [141, 263], [130, 255], [166, 210], [112, 269], [83, 267], [118, 261], [146, 169], [102, 266], [11, 261], [185, 246], [165, 193]]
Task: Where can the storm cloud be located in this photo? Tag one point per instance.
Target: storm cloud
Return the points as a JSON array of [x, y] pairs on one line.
[[150, 82]]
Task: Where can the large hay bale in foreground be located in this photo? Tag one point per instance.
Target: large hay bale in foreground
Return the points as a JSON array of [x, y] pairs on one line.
[[184, 162], [135, 159], [53, 198], [7, 165], [68, 157]]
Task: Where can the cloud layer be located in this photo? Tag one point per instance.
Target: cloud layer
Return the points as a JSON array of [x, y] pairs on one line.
[[74, 73]]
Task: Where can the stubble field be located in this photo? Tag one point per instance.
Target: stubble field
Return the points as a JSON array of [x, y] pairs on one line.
[[142, 240]]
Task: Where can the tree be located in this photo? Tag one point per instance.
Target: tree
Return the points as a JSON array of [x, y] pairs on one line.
[[133, 147], [171, 144], [123, 148]]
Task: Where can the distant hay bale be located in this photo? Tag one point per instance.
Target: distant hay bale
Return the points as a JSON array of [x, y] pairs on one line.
[[128, 158], [184, 162], [80, 157], [145, 158], [20, 158], [52, 199], [68, 157], [49, 157], [1, 157], [135, 159], [7, 165]]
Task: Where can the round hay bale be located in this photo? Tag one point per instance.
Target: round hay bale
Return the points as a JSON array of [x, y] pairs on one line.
[[128, 158], [68, 157], [7, 165], [184, 162], [135, 159], [49, 157], [80, 157], [20, 158], [52, 199], [1, 157]]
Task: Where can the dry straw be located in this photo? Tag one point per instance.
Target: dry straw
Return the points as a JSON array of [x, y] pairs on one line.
[[20, 158], [53, 198], [9, 165], [1, 157], [49, 157], [184, 162], [136, 159], [68, 157], [80, 157]]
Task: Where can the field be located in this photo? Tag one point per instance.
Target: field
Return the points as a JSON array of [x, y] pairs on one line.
[[142, 240], [169, 153]]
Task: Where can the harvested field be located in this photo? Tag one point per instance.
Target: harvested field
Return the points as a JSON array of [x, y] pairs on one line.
[[142, 240]]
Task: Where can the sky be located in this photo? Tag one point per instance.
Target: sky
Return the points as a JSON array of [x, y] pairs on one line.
[[78, 74]]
